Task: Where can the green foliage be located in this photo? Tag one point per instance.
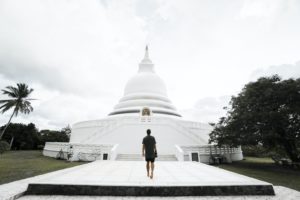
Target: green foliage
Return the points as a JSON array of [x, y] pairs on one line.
[[53, 136], [24, 136], [18, 101], [256, 151], [260, 151], [27, 137], [4, 146], [267, 113]]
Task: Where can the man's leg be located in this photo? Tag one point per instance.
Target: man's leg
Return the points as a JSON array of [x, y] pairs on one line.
[[148, 167], [152, 169]]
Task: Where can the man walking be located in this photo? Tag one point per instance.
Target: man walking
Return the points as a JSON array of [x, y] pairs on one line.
[[149, 151]]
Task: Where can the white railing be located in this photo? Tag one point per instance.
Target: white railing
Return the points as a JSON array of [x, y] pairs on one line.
[[85, 147], [210, 149], [206, 152], [84, 152], [179, 153]]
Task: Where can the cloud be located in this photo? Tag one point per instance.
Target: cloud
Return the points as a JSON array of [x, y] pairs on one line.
[[78, 55], [57, 43], [208, 109], [53, 109], [285, 71], [263, 8]]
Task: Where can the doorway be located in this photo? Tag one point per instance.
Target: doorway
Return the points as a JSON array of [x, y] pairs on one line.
[[195, 157], [105, 156]]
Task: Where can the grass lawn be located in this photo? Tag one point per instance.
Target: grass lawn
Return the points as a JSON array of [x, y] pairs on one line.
[[15, 165], [264, 169]]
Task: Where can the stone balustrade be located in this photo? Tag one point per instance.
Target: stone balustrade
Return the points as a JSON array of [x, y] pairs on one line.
[[79, 152], [206, 151]]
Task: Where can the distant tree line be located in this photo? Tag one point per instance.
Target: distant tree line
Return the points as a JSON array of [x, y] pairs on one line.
[[28, 137]]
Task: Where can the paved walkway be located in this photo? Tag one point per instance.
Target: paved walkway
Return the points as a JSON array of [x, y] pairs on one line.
[[134, 173]]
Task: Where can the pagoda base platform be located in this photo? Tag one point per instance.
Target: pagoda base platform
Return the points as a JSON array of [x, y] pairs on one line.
[[128, 178]]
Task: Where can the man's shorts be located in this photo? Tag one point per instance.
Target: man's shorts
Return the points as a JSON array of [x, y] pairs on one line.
[[150, 159]]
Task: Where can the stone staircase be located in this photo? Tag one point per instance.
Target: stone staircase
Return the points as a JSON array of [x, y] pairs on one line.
[[138, 157]]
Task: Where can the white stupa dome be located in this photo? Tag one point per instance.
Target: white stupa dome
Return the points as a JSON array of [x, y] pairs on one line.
[[145, 89], [145, 82]]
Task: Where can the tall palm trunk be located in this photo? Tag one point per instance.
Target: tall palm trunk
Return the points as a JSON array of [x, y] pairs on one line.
[[2, 133], [11, 142]]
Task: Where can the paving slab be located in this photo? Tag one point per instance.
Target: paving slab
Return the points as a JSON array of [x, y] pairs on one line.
[[134, 173], [128, 178]]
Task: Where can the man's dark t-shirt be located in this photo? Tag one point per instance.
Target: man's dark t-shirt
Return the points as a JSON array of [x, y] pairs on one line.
[[149, 142]]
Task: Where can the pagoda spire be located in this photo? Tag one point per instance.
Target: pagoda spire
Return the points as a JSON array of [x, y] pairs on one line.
[[146, 53], [146, 64]]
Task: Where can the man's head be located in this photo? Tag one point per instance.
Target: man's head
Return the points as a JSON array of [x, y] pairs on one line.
[[148, 131]]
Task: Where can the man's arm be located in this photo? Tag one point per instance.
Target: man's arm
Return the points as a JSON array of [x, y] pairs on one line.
[[143, 150]]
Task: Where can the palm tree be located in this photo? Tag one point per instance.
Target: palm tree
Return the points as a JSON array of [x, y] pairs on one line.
[[18, 101]]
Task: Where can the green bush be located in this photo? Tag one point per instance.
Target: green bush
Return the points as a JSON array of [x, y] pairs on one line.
[[40, 147], [260, 151], [4, 146], [254, 150]]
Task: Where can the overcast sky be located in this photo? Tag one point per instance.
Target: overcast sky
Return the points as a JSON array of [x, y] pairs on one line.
[[78, 55]]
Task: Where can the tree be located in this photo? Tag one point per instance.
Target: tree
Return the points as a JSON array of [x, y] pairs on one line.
[[67, 131], [18, 101], [26, 136], [54, 136], [266, 112], [4, 146]]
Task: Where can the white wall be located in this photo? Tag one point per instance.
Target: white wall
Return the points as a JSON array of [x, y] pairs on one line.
[[129, 132], [130, 138]]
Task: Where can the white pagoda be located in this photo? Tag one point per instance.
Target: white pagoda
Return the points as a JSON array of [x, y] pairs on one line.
[[145, 105]]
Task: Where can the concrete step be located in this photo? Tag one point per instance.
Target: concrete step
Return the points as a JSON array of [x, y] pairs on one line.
[[160, 191], [138, 157]]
